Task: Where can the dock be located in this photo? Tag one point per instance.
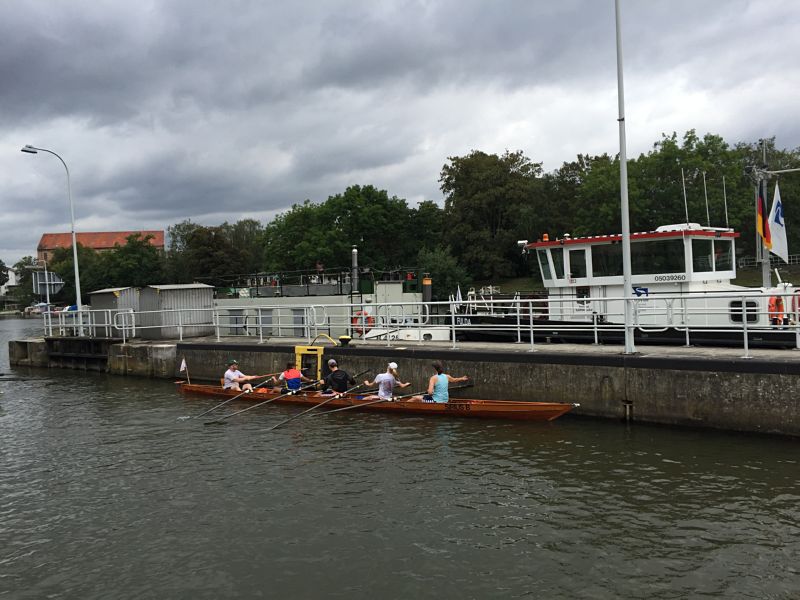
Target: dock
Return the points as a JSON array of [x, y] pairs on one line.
[[687, 386]]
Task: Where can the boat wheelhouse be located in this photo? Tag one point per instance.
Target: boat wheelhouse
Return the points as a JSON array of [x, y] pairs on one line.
[[679, 273]]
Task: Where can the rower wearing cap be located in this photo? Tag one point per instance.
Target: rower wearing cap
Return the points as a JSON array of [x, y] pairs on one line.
[[386, 383], [233, 377], [338, 380]]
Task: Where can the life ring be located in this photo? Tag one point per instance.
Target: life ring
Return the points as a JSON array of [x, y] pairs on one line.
[[775, 310], [362, 322]]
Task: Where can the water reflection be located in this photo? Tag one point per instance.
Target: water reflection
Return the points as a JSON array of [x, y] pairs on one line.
[[104, 494]]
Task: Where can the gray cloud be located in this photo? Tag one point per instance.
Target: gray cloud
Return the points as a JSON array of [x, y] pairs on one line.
[[218, 111]]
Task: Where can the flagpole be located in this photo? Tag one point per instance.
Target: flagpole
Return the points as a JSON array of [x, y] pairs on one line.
[[761, 177]]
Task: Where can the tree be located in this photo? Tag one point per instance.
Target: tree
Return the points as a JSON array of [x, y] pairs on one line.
[[444, 270], [381, 226], [485, 194], [3, 273], [93, 273], [137, 263], [23, 293]]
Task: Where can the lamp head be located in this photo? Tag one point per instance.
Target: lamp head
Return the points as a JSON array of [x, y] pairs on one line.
[[29, 149]]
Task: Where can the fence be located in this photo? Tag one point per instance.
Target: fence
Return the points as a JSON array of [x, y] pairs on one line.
[[743, 316]]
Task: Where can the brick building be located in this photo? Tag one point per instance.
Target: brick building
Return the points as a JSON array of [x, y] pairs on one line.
[[101, 241]]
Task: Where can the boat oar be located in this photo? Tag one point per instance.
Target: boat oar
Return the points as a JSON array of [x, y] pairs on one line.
[[213, 408], [238, 412], [323, 403], [378, 401]]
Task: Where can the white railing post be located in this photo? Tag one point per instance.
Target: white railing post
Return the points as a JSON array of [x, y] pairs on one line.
[[744, 329], [215, 319], [519, 321], [260, 327], [686, 319], [594, 328], [530, 323], [453, 328]]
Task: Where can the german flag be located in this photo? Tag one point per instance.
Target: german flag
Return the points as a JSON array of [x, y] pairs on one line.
[[762, 215]]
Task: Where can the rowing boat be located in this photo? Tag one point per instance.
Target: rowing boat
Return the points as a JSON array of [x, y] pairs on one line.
[[456, 407]]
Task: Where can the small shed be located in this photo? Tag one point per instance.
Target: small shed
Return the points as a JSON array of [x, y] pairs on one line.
[[176, 311], [112, 301]]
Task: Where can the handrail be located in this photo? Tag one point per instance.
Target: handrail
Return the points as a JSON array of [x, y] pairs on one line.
[[515, 319]]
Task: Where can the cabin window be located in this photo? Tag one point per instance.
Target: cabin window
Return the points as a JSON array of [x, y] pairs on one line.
[[558, 262], [751, 310], [577, 263], [723, 255], [702, 255], [544, 265], [583, 295], [657, 256], [607, 260]]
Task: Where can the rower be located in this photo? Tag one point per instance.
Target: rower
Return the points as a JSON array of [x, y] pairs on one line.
[[292, 378], [337, 380], [233, 377], [438, 386]]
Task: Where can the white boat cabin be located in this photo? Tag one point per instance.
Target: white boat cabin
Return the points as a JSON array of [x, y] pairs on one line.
[[583, 274]]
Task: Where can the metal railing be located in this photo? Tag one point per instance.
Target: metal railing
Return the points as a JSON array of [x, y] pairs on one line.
[[741, 315]]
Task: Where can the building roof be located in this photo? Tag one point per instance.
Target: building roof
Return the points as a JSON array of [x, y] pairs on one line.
[[181, 286], [98, 240], [111, 290]]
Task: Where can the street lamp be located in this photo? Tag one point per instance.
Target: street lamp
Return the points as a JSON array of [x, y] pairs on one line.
[[34, 150]]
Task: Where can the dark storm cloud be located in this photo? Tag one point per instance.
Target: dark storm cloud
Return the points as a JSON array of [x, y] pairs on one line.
[[183, 109]]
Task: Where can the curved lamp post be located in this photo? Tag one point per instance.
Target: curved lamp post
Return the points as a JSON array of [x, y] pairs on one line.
[[34, 150]]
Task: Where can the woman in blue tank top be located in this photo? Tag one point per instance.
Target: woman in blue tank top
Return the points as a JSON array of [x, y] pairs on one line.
[[438, 386]]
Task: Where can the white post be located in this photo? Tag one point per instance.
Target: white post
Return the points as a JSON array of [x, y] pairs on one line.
[[623, 180]]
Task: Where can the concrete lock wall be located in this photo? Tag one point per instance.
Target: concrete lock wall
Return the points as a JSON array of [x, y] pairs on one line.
[[756, 395]]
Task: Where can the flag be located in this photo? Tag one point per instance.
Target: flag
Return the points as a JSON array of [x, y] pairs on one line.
[[777, 228], [762, 220], [183, 365], [458, 298]]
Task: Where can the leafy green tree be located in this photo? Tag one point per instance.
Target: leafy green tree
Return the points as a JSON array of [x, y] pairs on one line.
[[380, 225], [246, 237], [92, 273], [23, 292], [3, 273], [444, 270], [176, 267], [485, 194], [137, 263], [211, 258]]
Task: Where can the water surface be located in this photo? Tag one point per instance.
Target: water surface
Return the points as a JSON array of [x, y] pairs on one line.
[[104, 494]]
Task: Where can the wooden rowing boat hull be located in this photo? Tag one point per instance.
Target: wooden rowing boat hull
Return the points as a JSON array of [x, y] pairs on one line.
[[457, 407]]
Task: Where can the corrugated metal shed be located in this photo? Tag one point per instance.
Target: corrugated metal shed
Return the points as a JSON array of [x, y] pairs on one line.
[[166, 309], [113, 300]]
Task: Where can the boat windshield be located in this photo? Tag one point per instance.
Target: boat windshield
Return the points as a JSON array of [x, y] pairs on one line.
[[607, 260], [544, 265], [712, 255], [657, 256], [558, 262], [577, 263]]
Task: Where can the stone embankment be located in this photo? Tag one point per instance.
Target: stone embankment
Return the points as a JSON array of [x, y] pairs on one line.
[[712, 388]]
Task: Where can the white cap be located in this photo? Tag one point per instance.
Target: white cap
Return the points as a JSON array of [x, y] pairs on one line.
[[392, 365], [332, 362]]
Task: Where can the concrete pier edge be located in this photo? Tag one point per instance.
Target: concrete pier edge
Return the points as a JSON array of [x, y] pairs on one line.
[[712, 388]]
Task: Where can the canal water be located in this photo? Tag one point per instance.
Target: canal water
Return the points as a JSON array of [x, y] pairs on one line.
[[104, 494]]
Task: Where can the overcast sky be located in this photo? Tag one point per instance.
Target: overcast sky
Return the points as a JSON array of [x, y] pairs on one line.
[[215, 111]]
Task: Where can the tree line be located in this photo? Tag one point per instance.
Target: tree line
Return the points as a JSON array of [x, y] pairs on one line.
[[490, 202]]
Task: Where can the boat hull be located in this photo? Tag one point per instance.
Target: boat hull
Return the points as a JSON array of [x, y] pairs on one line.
[[457, 407]]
